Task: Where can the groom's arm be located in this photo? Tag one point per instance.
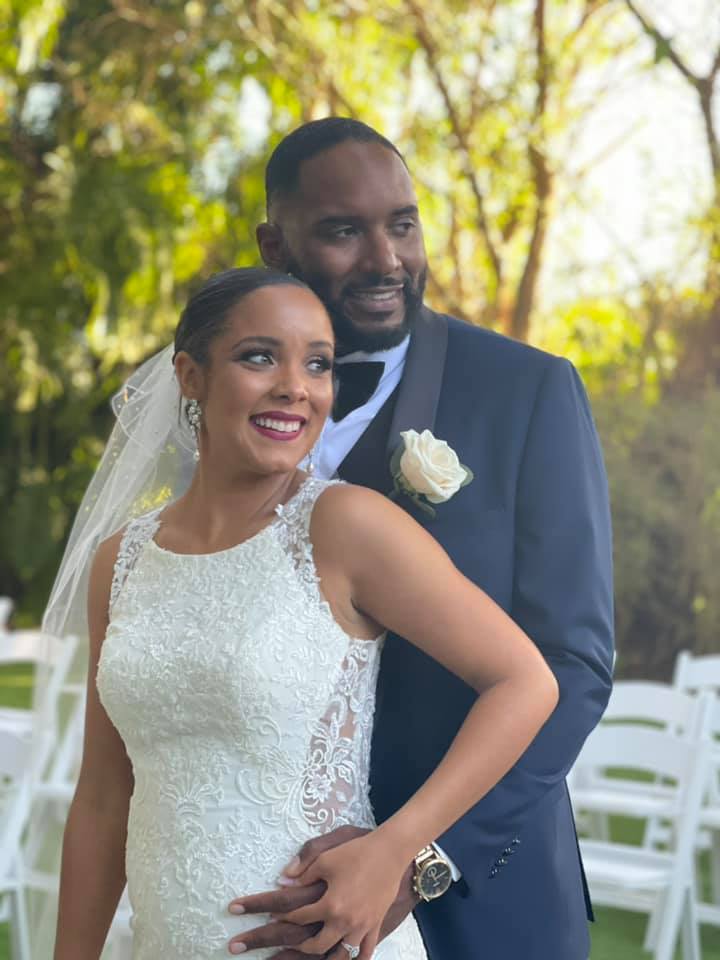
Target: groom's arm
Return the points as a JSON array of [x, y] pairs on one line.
[[562, 598]]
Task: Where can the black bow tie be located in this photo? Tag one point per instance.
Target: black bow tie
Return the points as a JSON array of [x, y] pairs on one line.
[[356, 383]]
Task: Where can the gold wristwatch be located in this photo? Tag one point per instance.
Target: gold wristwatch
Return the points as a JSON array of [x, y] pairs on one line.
[[432, 875]]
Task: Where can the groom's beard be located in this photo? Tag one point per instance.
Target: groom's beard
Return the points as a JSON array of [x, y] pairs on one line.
[[350, 337]]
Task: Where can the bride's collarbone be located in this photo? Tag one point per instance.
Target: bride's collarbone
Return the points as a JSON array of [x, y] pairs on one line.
[[177, 537]]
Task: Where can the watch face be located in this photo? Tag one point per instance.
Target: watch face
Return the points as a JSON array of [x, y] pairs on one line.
[[434, 879]]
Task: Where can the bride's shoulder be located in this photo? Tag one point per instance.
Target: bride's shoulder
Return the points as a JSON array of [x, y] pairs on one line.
[[339, 500], [349, 515], [139, 528]]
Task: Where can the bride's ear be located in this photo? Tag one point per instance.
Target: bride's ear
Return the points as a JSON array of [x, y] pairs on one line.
[[189, 375]]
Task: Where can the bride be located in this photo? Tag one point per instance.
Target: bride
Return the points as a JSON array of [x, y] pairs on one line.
[[235, 637]]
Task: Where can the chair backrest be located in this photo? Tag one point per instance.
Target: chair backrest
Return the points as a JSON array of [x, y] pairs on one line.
[[13, 753], [6, 606], [52, 658], [668, 708], [629, 747], [17, 772], [28, 646], [702, 675], [695, 674], [632, 748]]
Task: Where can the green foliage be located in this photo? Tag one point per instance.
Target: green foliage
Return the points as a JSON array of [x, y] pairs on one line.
[[663, 462]]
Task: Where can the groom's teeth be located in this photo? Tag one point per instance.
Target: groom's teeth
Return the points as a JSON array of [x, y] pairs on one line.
[[390, 295], [281, 426]]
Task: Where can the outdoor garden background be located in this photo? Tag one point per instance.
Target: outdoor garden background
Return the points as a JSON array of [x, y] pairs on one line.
[[567, 160]]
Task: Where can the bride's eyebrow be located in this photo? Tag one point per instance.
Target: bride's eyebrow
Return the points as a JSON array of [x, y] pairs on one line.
[[258, 341], [274, 342]]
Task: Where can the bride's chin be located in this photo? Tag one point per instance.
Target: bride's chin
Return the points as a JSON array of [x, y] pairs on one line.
[[269, 465]]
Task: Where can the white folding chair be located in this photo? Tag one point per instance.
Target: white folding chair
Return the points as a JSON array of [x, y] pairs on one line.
[[597, 796], [658, 882], [18, 769], [696, 675], [55, 654]]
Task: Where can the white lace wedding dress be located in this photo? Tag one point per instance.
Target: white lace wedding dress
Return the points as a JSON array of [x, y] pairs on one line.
[[246, 712]]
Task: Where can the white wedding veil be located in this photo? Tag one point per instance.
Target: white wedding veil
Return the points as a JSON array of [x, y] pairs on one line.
[[148, 460]]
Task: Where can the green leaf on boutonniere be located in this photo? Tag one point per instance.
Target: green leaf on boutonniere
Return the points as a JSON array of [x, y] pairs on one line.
[[401, 487]]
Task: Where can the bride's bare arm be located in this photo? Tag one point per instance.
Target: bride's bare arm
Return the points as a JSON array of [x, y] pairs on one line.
[[93, 860], [392, 572]]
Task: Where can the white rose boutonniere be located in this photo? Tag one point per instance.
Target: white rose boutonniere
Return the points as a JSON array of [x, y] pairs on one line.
[[427, 470]]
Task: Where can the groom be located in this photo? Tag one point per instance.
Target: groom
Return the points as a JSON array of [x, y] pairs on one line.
[[532, 529]]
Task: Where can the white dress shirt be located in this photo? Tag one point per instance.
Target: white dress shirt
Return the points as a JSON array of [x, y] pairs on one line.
[[338, 439]]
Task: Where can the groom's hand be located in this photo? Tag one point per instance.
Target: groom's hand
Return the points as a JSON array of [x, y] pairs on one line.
[[281, 933]]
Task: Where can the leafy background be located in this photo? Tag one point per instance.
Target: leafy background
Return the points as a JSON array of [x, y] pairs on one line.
[[132, 143]]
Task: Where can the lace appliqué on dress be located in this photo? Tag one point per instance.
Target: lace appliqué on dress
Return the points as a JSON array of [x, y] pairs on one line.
[[335, 782], [137, 533]]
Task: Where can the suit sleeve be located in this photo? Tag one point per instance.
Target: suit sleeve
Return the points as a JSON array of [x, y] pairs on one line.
[[562, 598]]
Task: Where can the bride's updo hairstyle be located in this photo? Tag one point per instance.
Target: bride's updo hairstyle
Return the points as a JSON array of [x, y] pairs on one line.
[[205, 316]]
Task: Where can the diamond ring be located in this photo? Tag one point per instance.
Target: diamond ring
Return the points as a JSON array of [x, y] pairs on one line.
[[352, 951]]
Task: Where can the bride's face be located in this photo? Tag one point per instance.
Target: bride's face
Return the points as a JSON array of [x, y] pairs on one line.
[[267, 388]]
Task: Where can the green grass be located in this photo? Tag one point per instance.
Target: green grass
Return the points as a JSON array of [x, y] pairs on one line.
[[616, 935]]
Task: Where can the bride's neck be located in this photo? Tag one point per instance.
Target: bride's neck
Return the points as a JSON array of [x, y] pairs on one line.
[[214, 505]]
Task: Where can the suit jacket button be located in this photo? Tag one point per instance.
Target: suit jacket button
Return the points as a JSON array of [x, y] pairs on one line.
[[516, 842], [508, 851], [502, 861], [493, 872]]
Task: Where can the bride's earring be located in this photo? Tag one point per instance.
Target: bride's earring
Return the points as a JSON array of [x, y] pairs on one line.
[[310, 465], [193, 415]]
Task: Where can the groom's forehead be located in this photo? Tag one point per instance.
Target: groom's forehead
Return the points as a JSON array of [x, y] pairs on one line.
[[352, 177]]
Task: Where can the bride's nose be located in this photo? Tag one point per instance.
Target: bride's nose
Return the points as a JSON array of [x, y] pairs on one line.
[[291, 384]]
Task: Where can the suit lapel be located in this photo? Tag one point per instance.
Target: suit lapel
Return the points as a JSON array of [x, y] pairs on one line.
[[419, 392], [366, 464], [412, 406]]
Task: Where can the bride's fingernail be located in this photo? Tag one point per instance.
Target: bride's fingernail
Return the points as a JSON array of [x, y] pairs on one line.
[[236, 908], [237, 948], [286, 881], [292, 866]]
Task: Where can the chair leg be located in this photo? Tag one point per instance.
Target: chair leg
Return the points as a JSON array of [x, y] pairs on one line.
[[715, 866], [653, 925], [670, 921], [19, 931], [690, 929]]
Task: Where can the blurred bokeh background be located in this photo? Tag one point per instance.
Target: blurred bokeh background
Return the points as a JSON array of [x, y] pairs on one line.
[[567, 157]]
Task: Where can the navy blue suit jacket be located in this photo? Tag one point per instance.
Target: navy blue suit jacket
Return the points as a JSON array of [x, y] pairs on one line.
[[533, 530]]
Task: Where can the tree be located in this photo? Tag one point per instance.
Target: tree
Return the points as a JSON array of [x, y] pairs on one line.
[[699, 357]]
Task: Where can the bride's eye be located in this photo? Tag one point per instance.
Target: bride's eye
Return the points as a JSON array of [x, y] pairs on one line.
[[320, 364], [257, 357]]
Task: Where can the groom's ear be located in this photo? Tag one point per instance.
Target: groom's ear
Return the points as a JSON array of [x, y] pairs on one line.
[[271, 243]]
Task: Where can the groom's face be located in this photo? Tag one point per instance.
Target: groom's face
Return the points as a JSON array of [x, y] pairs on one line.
[[351, 230]]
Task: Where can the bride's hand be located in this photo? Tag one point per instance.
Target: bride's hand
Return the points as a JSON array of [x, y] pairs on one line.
[[363, 877]]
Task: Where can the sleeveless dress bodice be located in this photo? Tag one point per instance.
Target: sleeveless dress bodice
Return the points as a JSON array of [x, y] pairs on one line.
[[246, 712]]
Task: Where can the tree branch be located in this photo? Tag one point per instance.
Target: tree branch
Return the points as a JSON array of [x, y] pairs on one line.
[[662, 42], [431, 53]]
